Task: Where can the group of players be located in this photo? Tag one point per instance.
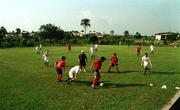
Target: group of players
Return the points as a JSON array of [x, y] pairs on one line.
[[96, 64]]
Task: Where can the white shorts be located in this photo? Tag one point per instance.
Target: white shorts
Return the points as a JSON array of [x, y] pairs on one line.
[[145, 64], [71, 75], [46, 60]]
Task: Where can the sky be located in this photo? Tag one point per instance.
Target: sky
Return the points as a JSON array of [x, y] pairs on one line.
[[144, 16]]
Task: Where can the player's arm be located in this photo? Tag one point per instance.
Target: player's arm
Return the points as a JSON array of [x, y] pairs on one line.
[[150, 62], [64, 66], [86, 59], [55, 64], [91, 66], [142, 62]]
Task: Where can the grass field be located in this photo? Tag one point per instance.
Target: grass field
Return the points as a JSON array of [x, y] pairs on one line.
[[25, 84]]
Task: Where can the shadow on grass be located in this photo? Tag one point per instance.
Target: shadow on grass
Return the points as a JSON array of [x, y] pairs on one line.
[[107, 84], [160, 72], [121, 72]]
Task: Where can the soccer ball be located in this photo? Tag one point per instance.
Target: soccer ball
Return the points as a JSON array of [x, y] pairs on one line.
[[150, 84], [101, 84]]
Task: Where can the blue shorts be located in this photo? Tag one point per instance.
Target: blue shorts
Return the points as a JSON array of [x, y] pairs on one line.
[[114, 64], [96, 73], [59, 71]]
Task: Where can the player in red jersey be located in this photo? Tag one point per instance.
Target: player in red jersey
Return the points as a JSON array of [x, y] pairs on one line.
[[60, 67], [138, 49], [69, 46], [114, 63], [97, 67]]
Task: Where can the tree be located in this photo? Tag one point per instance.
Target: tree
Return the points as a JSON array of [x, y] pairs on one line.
[[138, 35], [18, 31], [3, 32], [112, 32], [85, 23], [126, 33], [50, 31]]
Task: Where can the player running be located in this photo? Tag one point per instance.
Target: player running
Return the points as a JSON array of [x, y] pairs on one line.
[[92, 52], [73, 72], [96, 65], [82, 58], [37, 50], [60, 67], [151, 49], [145, 62], [114, 63], [46, 58], [69, 46], [138, 49]]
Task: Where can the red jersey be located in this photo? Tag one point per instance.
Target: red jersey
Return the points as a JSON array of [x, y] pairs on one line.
[[60, 64], [97, 64], [138, 47], [114, 59]]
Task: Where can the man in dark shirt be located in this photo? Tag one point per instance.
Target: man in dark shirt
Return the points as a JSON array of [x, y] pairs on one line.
[[82, 60]]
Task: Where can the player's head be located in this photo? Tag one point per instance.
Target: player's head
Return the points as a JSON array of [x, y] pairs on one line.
[[63, 57], [115, 54], [146, 54], [103, 58], [82, 51]]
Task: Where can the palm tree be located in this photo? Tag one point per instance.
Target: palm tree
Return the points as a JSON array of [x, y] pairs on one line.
[[85, 23]]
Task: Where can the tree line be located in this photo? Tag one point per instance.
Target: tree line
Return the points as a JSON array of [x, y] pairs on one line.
[[50, 34]]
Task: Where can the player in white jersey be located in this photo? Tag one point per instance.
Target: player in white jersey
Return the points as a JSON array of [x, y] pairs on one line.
[[151, 49], [46, 58], [96, 47], [145, 62], [37, 50], [73, 72], [40, 46], [92, 52]]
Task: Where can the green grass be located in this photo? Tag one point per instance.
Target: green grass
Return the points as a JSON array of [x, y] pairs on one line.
[[26, 84]]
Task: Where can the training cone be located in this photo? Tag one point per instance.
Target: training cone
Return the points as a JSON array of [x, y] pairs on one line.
[[177, 88], [164, 87], [150, 84]]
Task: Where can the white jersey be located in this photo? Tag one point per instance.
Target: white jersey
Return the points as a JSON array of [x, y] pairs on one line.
[[151, 47], [46, 57], [96, 46], [91, 50], [37, 49], [40, 46], [74, 71], [145, 61]]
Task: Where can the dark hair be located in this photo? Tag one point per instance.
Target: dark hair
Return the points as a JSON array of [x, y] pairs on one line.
[[103, 58], [115, 54], [146, 53], [63, 57]]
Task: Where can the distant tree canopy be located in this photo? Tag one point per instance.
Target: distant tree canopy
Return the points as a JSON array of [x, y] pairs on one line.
[[3, 32], [50, 31], [126, 33], [51, 34], [85, 23], [137, 35]]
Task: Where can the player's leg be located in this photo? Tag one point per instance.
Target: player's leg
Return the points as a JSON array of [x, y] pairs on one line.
[[84, 65], [96, 78], [117, 69], [60, 74], [109, 70]]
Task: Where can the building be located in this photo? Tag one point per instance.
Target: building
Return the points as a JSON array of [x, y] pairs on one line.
[[162, 35]]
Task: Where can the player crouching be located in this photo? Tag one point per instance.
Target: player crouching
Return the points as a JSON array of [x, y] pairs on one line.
[[73, 72], [97, 67]]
